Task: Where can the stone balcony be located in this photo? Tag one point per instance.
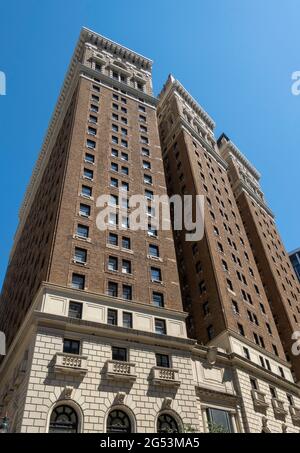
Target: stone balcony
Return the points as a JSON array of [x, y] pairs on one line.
[[259, 399], [121, 370], [70, 364], [165, 376], [278, 407]]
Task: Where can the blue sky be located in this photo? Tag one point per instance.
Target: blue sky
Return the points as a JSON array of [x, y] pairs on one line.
[[236, 57]]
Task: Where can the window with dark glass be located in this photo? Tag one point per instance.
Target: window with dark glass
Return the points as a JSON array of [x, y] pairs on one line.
[[127, 292], [75, 310], [127, 320], [83, 231], [219, 419], [154, 250], [85, 210], [112, 289], [163, 360], [113, 239], [112, 317], [158, 299], [119, 354], [86, 191], [160, 326], [78, 281], [80, 255], [126, 243], [71, 347]]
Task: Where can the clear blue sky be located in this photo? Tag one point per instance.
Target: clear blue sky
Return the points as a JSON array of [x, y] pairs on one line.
[[235, 56]]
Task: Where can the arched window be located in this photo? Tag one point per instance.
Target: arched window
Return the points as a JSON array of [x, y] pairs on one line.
[[63, 420], [118, 422], [167, 424]]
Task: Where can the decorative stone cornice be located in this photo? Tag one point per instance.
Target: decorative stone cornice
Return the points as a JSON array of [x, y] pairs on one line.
[[173, 85], [111, 46], [233, 149]]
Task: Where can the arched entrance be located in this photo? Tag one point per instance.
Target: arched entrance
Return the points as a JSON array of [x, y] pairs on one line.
[[118, 422], [63, 419]]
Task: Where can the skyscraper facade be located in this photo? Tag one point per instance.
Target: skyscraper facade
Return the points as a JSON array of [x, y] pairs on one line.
[[94, 320]]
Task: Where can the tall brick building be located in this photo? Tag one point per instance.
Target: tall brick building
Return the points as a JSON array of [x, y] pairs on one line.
[[95, 326]]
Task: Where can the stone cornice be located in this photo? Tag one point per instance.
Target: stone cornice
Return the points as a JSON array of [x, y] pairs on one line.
[[173, 85], [233, 149], [115, 48], [241, 186]]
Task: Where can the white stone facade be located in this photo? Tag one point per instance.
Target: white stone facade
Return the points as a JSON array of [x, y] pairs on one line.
[[37, 376]]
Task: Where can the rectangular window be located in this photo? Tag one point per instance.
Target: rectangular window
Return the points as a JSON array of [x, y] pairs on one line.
[[126, 243], [115, 140], [112, 289], [146, 165], [156, 274], [92, 131], [126, 267], [119, 354], [158, 300], [94, 108], [160, 327], [145, 152], [88, 174], [127, 292], [89, 158], [93, 119], [124, 143], [71, 347], [210, 332], [75, 310], [85, 210], [112, 317], [124, 156], [162, 361], [113, 200], [113, 264], [127, 320], [78, 281], [83, 231], [154, 251], [149, 194], [91, 144], [114, 167], [114, 182], [219, 418], [80, 255], [113, 239], [125, 171], [147, 179], [86, 191]]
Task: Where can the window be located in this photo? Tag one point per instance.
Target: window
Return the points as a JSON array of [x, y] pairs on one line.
[[92, 131], [113, 264], [273, 392], [156, 274], [125, 186], [112, 317], [127, 320], [88, 174], [118, 422], [63, 420], [71, 347], [254, 384], [241, 330], [275, 350], [93, 119], [145, 152], [246, 353], [114, 167], [80, 255], [149, 194], [147, 179], [210, 332], [114, 182], [125, 171], [160, 327], [124, 156], [89, 158], [229, 285], [154, 251], [202, 287], [166, 424], [217, 417], [290, 400], [91, 144], [94, 108], [113, 219], [152, 231], [127, 292], [146, 165], [113, 239], [281, 371], [78, 281], [158, 299], [119, 354], [86, 191], [115, 140], [162, 360], [75, 310], [112, 289], [83, 231], [124, 131], [235, 308], [126, 267], [206, 309], [142, 108], [113, 200], [126, 243], [124, 143], [85, 210]]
